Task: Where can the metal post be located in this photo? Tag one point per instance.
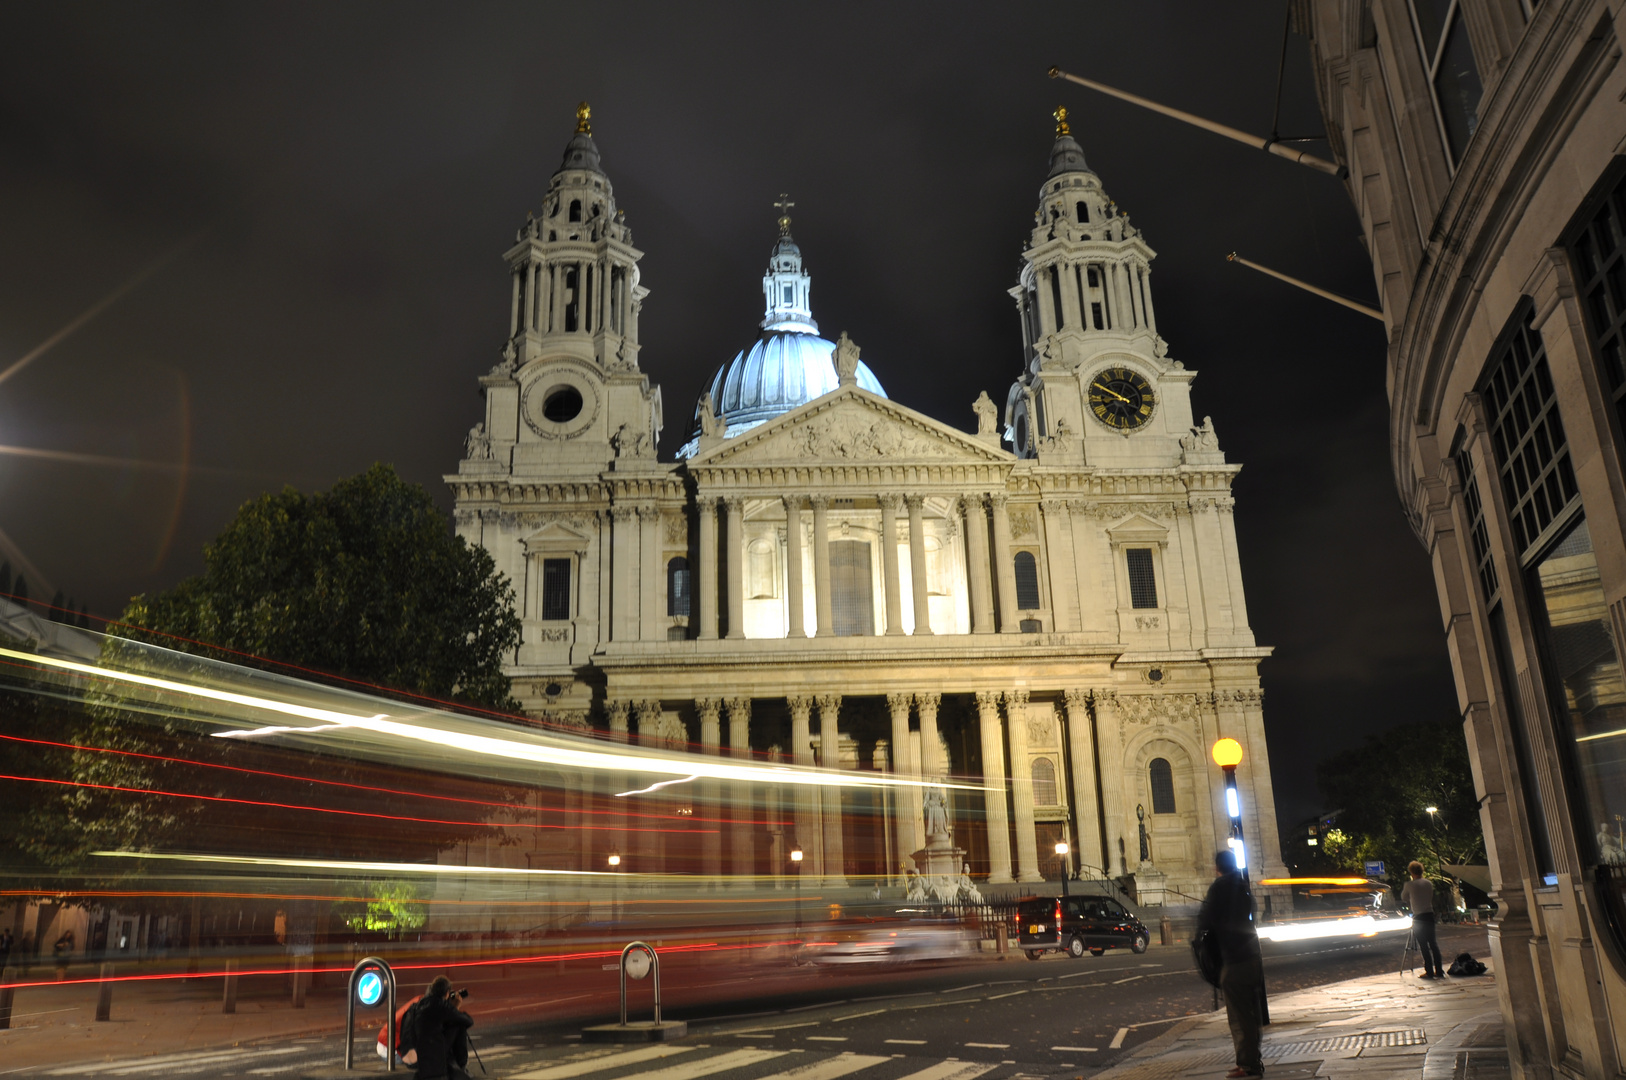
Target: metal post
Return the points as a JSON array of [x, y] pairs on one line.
[[388, 975], [7, 992], [655, 965], [104, 999], [228, 998]]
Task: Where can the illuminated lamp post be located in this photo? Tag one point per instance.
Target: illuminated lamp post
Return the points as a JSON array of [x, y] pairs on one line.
[[615, 886], [796, 860], [1061, 851], [1228, 755]]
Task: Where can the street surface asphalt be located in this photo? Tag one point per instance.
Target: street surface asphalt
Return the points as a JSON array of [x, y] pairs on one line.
[[939, 1021]]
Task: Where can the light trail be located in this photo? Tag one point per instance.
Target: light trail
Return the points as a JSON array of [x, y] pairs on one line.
[[516, 807], [442, 738], [1362, 926], [345, 813], [179, 894], [655, 787]]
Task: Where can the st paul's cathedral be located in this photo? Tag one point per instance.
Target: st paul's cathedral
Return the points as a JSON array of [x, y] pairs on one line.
[[1048, 605]]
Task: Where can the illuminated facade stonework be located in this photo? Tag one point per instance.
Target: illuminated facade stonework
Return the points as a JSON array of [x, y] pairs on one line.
[[1049, 604]]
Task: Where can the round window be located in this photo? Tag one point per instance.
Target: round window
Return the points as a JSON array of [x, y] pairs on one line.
[[562, 405]]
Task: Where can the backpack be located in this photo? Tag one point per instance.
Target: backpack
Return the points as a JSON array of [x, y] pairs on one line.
[[407, 1038], [1465, 964]]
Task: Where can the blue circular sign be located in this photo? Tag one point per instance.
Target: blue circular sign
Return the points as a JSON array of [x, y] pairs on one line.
[[370, 988]]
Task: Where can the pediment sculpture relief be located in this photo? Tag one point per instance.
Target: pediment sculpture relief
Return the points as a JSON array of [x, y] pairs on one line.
[[858, 437]]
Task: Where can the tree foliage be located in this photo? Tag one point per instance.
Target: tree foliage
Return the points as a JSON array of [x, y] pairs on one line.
[[364, 581], [1386, 785]]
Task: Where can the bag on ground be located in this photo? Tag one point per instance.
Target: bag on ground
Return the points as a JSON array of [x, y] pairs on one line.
[[1465, 964]]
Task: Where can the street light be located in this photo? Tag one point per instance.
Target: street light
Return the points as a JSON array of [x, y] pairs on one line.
[[796, 860], [1431, 810], [615, 858], [1061, 851], [1228, 755]]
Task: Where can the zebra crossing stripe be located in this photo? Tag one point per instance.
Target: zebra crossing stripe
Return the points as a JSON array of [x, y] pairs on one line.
[[829, 1068], [951, 1070], [133, 1066], [600, 1062], [732, 1059]]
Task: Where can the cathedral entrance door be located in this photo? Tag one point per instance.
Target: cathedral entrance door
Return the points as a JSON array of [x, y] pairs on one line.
[[852, 589]]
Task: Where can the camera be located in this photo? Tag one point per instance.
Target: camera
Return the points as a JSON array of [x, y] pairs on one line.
[[463, 993]]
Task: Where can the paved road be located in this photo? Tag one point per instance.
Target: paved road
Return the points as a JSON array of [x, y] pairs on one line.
[[975, 1021]]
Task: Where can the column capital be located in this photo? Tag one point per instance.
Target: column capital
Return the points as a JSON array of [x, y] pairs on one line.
[[899, 702], [649, 513], [829, 704], [792, 503], [735, 503], [800, 703], [1104, 698], [1078, 701], [623, 512], [739, 708], [1016, 699], [891, 500], [930, 701], [987, 700], [708, 708], [915, 503], [819, 502], [998, 499], [616, 712]]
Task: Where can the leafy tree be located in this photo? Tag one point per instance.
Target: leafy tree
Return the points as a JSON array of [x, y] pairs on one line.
[[1386, 786], [364, 582]]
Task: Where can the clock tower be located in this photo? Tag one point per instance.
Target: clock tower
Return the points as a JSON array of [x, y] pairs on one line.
[[1097, 384]]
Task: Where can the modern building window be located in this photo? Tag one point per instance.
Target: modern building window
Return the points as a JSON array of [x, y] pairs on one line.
[[679, 587], [555, 588], [852, 592], [1532, 456], [1027, 581], [1044, 782], [1589, 694], [1599, 253], [1142, 578], [1453, 75], [1478, 534], [1160, 777]]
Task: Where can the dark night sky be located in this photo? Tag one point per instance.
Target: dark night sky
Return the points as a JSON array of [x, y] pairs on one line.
[[322, 194]]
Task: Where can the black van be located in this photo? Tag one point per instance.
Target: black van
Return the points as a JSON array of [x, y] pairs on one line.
[[1076, 923]]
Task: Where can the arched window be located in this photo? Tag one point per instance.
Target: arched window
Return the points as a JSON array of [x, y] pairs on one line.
[[1027, 581], [760, 564], [1044, 782], [1161, 776], [679, 586], [575, 209], [1083, 211]]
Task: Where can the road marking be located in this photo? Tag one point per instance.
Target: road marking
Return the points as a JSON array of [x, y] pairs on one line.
[[1078, 1049], [990, 1046], [825, 1038], [597, 1062], [728, 1059], [856, 1016], [1165, 1020], [951, 1069], [1076, 975], [175, 1061], [1118, 1039], [829, 1068], [1132, 978], [907, 1042], [747, 1035], [1012, 993], [776, 1027], [958, 989], [818, 1005]]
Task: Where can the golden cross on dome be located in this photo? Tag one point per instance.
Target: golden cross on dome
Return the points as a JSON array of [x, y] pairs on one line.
[[783, 205], [1062, 127], [584, 124]]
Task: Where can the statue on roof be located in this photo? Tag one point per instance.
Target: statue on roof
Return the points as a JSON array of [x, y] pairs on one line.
[[845, 357], [987, 414]]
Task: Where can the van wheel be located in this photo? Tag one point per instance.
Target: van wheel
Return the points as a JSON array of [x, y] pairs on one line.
[[1140, 942], [1075, 947], [1097, 952], [1033, 954]]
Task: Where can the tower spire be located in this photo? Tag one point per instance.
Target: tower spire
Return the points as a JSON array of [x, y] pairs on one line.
[[783, 205], [786, 284], [584, 119], [1062, 127]]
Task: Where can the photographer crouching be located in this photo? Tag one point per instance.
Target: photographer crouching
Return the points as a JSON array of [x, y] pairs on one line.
[[436, 1028]]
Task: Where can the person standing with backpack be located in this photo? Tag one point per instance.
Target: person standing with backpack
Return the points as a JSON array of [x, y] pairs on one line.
[[1418, 895], [1227, 915]]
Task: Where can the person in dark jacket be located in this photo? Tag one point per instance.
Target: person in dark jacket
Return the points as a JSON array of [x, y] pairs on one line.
[[441, 1033], [1228, 914]]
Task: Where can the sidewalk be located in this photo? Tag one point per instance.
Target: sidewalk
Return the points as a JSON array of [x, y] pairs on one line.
[[1383, 1027]]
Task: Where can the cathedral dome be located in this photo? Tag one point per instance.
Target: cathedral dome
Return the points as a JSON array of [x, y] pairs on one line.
[[789, 365]]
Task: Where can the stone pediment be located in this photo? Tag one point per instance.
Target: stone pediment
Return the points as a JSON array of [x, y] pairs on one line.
[[557, 535], [851, 425]]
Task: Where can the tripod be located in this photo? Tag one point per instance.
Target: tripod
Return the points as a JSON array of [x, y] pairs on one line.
[[1407, 965]]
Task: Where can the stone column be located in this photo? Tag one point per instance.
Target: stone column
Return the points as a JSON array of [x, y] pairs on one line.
[[736, 566], [905, 822], [835, 870], [1146, 298], [742, 862], [821, 565], [647, 845], [706, 506], [624, 579], [651, 619], [711, 841], [807, 807], [793, 566], [1004, 569], [993, 782], [1027, 842], [926, 765], [1086, 811], [976, 555], [1047, 309], [513, 307], [556, 306], [615, 713], [1109, 748], [917, 565], [889, 562]]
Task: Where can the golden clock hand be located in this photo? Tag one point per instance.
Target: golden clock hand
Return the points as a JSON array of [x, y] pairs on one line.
[[1114, 393]]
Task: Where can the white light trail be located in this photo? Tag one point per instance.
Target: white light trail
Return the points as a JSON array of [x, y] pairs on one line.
[[1360, 926], [655, 787], [360, 867]]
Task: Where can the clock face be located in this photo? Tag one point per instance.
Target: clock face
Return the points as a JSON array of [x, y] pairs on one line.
[[1121, 399]]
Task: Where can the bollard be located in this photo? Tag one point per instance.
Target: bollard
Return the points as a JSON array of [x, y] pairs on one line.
[[300, 977], [228, 1000], [104, 1000], [1165, 929], [8, 976], [1002, 938]]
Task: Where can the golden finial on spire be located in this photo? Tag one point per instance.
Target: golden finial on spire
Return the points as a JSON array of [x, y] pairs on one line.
[[1062, 127], [783, 205], [584, 122]]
